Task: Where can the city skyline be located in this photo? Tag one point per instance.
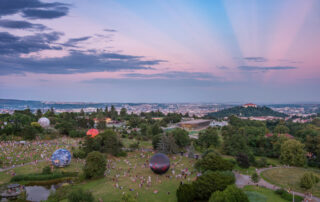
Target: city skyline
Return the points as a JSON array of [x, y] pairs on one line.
[[160, 51]]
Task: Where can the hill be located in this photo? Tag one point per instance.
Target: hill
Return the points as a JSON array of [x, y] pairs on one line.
[[246, 112]]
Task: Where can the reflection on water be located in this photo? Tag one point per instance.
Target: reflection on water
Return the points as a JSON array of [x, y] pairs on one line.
[[39, 193]]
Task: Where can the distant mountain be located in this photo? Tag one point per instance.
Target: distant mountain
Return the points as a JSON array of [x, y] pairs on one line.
[[246, 112]]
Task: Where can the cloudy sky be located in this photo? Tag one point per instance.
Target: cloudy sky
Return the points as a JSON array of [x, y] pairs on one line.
[[160, 51]]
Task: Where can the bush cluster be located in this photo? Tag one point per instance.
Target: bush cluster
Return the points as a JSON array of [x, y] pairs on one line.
[[287, 196], [41, 177], [79, 195], [95, 165], [308, 180]]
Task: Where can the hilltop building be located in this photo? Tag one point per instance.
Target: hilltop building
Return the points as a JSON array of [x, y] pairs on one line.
[[249, 105]]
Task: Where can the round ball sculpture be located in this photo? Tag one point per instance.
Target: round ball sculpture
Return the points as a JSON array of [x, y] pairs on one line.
[[44, 122], [61, 158], [92, 132], [159, 163]]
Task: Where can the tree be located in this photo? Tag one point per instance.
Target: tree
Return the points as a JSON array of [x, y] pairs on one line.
[[79, 195], [155, 128], [293, 153], [243, 160], [210, 182], [191, 151], [181, 137], [255, 177], [235, 143], [95, 165], [167, 145], [101, 124], [123, 112], [155, 140], [39, 113], [81, 112], [209, 138], [281, 129], [110, 143], [213, 162], [230, 194], [308, 180], [113, 113], [106, 111], [185, 193]]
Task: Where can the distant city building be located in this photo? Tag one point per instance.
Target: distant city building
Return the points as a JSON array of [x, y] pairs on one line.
[[194, 124], [218, 123], [249, 105]]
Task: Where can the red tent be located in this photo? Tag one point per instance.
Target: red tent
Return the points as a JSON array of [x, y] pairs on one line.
[[93, 132]]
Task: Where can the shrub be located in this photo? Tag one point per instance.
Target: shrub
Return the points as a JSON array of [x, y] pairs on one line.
[[262, 163], [121, 154], [243, 160], [255, 177], [213, 162], [79, 153], [46, 170], [287, 196], [230, 194], [128, 198], [95, 165], [75, 133], [210, 182], [29, 133], [185, 193], [308, 180], [79, 195], [41, 177]]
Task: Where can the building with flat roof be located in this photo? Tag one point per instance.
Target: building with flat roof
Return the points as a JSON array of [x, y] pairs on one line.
[[194, 124]]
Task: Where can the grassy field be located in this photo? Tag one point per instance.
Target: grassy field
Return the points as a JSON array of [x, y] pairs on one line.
[[13, 153], [5, 176], [105, 188], [259, 194], [290, 178], [144, 144]]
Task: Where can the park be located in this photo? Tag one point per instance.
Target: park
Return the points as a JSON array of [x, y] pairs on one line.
[[71, 157]]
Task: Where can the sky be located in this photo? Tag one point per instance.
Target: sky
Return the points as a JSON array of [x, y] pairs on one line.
[[160, 50]]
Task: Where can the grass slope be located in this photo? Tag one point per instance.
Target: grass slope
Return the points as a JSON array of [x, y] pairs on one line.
[[260, 194], [290, 178]]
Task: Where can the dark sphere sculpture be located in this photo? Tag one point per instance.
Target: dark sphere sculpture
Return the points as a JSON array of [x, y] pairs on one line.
[[159, 163]]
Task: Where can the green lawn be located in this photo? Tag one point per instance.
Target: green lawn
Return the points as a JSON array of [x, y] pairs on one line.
[[290, 178], [104, 188], [260, 194], [6, 175], [144, 144]]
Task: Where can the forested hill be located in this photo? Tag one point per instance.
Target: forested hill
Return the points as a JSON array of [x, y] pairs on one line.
[[246, 112]]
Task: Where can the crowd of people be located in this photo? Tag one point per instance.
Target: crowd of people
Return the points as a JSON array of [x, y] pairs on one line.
[[14, 153], [133, 173]]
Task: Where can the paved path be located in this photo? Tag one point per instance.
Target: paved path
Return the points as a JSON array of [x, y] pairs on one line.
[[17, 166], [243, 180]]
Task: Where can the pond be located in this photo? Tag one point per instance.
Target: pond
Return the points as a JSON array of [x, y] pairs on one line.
[[39, 193]]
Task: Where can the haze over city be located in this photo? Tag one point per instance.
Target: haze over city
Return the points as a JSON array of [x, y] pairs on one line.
[[160, 51]]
